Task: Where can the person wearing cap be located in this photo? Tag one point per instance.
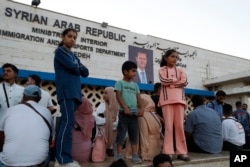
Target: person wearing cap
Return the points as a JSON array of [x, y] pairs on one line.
[[46, 100], [14, 92], [24, 134]]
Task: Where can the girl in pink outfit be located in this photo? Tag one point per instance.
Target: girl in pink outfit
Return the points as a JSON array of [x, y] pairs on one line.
[[173, 103]]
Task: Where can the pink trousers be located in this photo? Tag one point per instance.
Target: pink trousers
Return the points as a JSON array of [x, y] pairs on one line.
[[173, 115]]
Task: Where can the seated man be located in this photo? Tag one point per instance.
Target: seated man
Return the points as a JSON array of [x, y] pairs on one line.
[[203, 128], [24, 134], [232, 131]]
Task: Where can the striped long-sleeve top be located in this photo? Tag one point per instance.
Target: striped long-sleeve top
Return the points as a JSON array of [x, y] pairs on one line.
[[173, 81]]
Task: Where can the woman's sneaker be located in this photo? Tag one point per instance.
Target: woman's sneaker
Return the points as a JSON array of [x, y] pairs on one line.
[[136, 159]]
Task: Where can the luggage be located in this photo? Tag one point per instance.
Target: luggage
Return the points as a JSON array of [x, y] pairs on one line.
[[99, 146]]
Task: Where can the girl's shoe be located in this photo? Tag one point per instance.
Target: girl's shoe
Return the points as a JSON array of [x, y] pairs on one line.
[[183, 157], [171, 157]]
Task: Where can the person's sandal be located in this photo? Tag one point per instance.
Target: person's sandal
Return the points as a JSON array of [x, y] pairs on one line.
[[170, 156], [183, 157]]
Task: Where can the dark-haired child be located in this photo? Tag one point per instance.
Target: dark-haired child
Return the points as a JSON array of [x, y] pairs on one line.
[[172, 100], [68, 70], [127, 94]]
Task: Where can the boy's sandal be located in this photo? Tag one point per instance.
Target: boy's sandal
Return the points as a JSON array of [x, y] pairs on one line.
[[183, 157]]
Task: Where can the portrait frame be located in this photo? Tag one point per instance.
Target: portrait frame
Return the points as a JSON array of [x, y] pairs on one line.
[[133, 51]]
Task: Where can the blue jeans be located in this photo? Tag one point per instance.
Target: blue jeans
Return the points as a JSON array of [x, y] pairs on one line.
[[127, 123], [64, 135]]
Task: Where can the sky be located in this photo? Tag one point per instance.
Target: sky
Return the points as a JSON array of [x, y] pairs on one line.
[[218, 25]]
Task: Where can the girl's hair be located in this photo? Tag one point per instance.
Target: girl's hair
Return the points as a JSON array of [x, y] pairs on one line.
[[167, 53], [65, 32]]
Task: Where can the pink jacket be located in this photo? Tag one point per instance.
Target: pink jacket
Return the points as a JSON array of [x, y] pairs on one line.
[[173, 81]]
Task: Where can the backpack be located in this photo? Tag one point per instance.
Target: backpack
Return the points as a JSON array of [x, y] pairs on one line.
[[99, 146]]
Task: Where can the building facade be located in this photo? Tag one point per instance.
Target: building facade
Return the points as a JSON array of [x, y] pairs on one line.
[[29, 36]]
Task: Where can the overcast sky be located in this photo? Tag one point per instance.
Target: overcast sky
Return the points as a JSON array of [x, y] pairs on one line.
[[217, 25]]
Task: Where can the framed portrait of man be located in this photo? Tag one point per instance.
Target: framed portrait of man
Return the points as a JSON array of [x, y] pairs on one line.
[[144, 60]]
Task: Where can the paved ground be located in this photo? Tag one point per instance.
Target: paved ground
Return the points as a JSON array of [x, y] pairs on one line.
[[197, 160]]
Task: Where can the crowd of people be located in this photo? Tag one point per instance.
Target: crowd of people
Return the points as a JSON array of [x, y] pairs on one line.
[[135, 125], [26, 126]]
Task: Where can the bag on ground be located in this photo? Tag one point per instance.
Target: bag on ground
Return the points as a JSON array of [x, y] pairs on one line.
[[99, 146]]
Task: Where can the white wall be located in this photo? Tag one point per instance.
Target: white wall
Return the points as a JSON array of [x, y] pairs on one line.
[[36, 56]]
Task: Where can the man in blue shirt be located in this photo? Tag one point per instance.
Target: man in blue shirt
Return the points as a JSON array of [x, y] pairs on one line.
[[203, 128], [242, 116], [217, 103]]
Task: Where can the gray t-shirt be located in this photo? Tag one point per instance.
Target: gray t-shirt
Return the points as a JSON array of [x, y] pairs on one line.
[[205, 126]]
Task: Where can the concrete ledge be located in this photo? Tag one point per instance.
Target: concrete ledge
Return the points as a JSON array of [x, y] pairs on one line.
[[200, 159], [197, 160]]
